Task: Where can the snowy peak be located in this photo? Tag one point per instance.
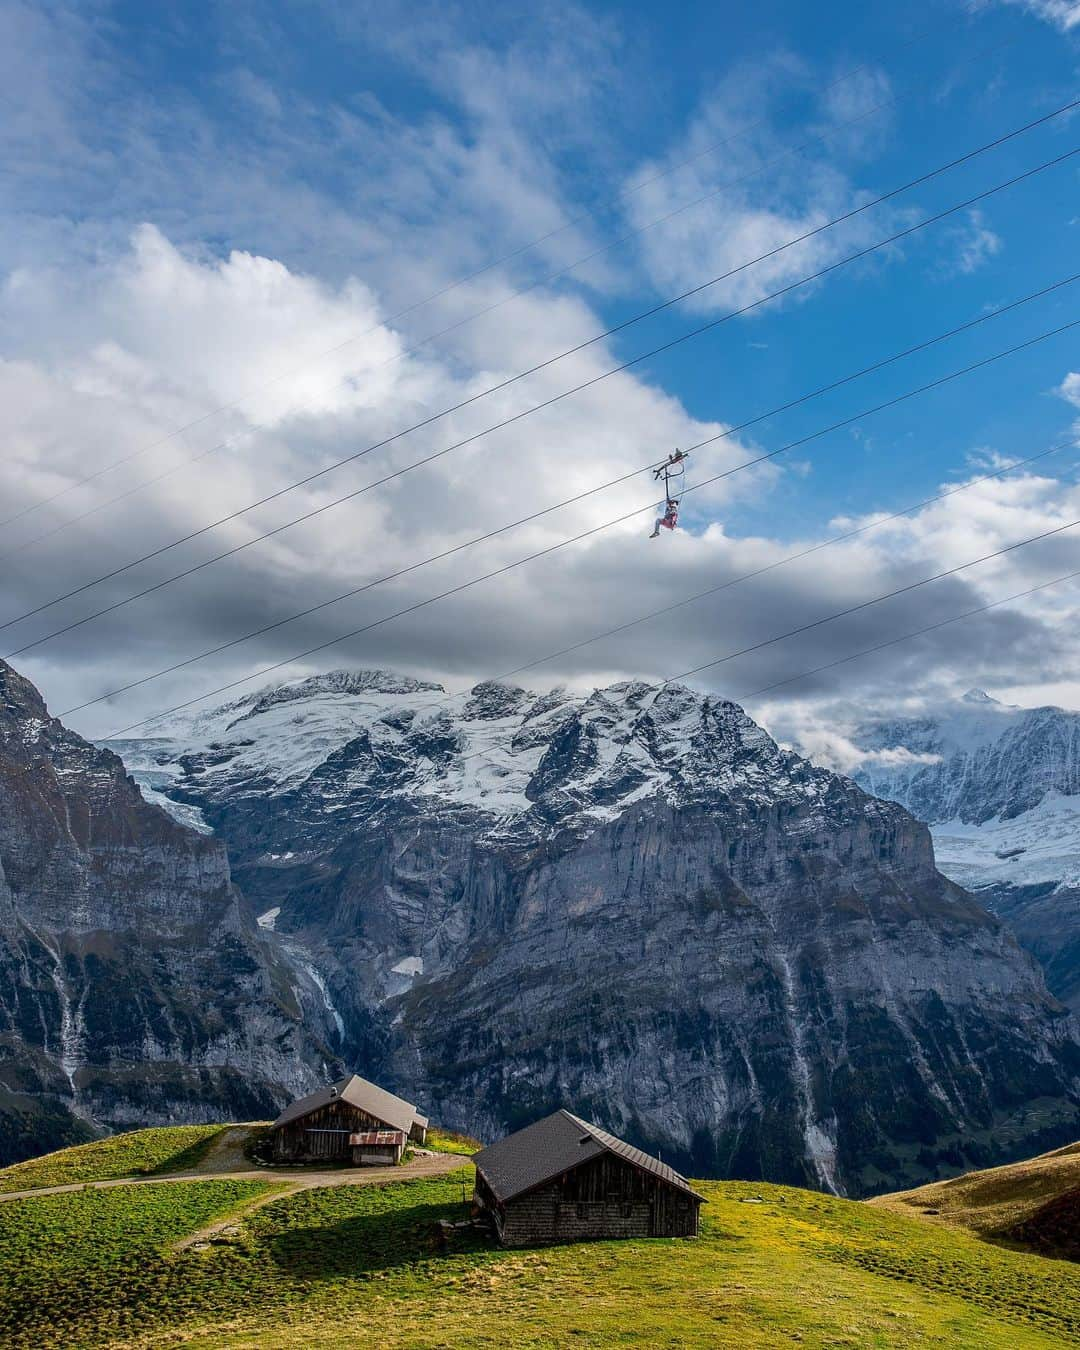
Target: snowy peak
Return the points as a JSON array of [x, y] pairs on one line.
[[991, 760], [354, 741], [336, 682], [490, 700]]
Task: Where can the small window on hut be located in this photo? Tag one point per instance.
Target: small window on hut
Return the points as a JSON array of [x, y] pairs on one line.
[[581, 1210], [627, 1211]]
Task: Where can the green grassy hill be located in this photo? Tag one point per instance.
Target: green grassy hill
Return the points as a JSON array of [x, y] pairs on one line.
[[1033, 1204], [363, 1264], [171, 1148]]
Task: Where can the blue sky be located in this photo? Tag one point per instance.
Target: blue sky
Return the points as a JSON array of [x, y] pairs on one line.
[[363, 157]]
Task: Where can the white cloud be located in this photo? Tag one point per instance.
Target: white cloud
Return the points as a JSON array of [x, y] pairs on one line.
[[832, 749], [1069, 389], [1063, 14], [769, 195], [976, 243]]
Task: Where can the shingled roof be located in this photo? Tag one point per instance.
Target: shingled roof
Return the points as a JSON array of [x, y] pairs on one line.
[[358, 1092], [554, 1145]]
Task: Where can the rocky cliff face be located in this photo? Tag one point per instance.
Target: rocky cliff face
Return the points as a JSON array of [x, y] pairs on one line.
[[634, 904], [1000, 788], [132, 989]]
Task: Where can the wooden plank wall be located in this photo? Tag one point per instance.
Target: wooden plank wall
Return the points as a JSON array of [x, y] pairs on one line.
[[604, 1198], [294, 1141]]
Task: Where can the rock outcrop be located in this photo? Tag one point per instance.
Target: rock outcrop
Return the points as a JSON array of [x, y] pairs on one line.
[[132, 988], [635, 904]]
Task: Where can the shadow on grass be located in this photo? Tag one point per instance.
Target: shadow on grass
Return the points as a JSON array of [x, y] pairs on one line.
[[367, 1243], [187, 1160]]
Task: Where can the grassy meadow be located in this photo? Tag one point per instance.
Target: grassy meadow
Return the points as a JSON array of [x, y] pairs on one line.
[[445, 1141], [363, 1264]]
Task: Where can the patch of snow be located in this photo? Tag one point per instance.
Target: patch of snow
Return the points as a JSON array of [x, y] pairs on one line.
[[401, 977], [182, 812], [269, 919], [1040, 846]]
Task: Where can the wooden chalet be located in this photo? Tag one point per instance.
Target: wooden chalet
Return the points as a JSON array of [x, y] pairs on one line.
[[350, 1121], [564, 1180]]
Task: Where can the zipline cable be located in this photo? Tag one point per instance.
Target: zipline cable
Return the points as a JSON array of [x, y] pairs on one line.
[[402, 313], [907, 637], [557, 398], [867, 604], [536, 515], [464, 586], [855, 533]]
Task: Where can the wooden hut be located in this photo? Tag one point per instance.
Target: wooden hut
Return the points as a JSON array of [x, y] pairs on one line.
[[564, 1180], [350, 1121]]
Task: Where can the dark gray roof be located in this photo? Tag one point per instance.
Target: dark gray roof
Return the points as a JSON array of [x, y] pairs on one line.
[[358, 1092], [554, 1145]]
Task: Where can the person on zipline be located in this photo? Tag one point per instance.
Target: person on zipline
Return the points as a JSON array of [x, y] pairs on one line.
[[668, 520]]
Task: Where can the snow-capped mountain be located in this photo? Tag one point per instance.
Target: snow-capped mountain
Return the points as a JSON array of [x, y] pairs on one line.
[[633, 902], [1000, 788], [335, 736]]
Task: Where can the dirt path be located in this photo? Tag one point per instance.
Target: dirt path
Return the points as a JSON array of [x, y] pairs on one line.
[[226, 1153], [303, 1178]]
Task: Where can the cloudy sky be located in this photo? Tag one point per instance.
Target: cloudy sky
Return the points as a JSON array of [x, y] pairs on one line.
[[241, 243]]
